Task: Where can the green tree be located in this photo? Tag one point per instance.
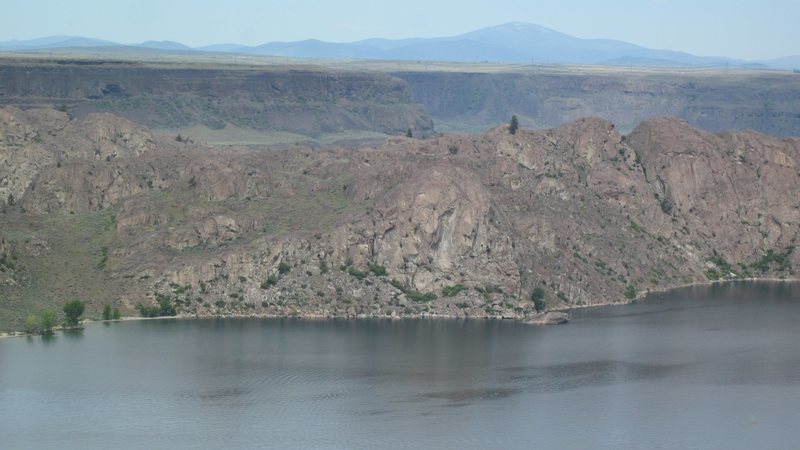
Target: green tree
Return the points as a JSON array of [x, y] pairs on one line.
[[48, 321], [107, 312], [115, 314], [30, 323], [148, 311], [513, 126], [537, 297], [166, 308], [409, 133], [72, 312]]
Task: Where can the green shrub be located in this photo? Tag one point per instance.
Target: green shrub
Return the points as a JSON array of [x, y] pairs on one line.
[[103, 258], [398, 285], [420, 297], [177, 289], [630, 292], [272, 280], [356, 273], [115, 314], [487, 291], [30, 323], [378, 270], [452, 291], [490, 289], [283, 268], [724, 268], [164, 308], [712, 274], [781, 259], [107, 312], [323, 267], [148, 311]]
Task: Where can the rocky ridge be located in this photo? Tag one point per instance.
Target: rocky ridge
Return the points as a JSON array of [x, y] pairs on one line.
[[491, 225]]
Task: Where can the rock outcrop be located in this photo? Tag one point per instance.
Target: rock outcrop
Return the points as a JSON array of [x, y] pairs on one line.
[[491, 225]]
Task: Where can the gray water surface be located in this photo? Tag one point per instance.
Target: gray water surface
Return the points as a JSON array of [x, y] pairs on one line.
[[705, 367]]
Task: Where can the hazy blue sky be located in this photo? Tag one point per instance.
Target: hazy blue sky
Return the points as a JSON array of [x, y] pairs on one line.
[[737, 28]]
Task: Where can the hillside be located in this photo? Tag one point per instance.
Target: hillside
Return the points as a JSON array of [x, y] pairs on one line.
[[104, 210]]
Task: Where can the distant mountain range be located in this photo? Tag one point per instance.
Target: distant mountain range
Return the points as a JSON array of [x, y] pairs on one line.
[[508, 43]]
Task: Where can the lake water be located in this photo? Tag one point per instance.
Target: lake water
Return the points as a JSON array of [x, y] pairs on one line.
[[706, 367]]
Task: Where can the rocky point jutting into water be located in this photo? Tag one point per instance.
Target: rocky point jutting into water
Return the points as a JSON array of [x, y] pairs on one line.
[[458, 225]]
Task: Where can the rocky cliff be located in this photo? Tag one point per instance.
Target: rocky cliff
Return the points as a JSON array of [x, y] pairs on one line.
[[306, 100], [551, 96], [256, 101], [457, 225]]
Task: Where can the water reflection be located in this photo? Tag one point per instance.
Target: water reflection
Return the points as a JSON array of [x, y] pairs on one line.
[[464, 397], [73, 333], [701, 359]]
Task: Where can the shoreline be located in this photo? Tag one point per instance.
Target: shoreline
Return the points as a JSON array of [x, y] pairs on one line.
[[661, 290], [539, 319]]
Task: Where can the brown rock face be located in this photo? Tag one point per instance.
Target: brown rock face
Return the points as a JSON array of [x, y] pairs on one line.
[[43, 148], [436, 226], [737, 191], [459, 225]]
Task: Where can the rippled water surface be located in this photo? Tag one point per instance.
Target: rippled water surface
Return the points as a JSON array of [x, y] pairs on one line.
[[709, 367]]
